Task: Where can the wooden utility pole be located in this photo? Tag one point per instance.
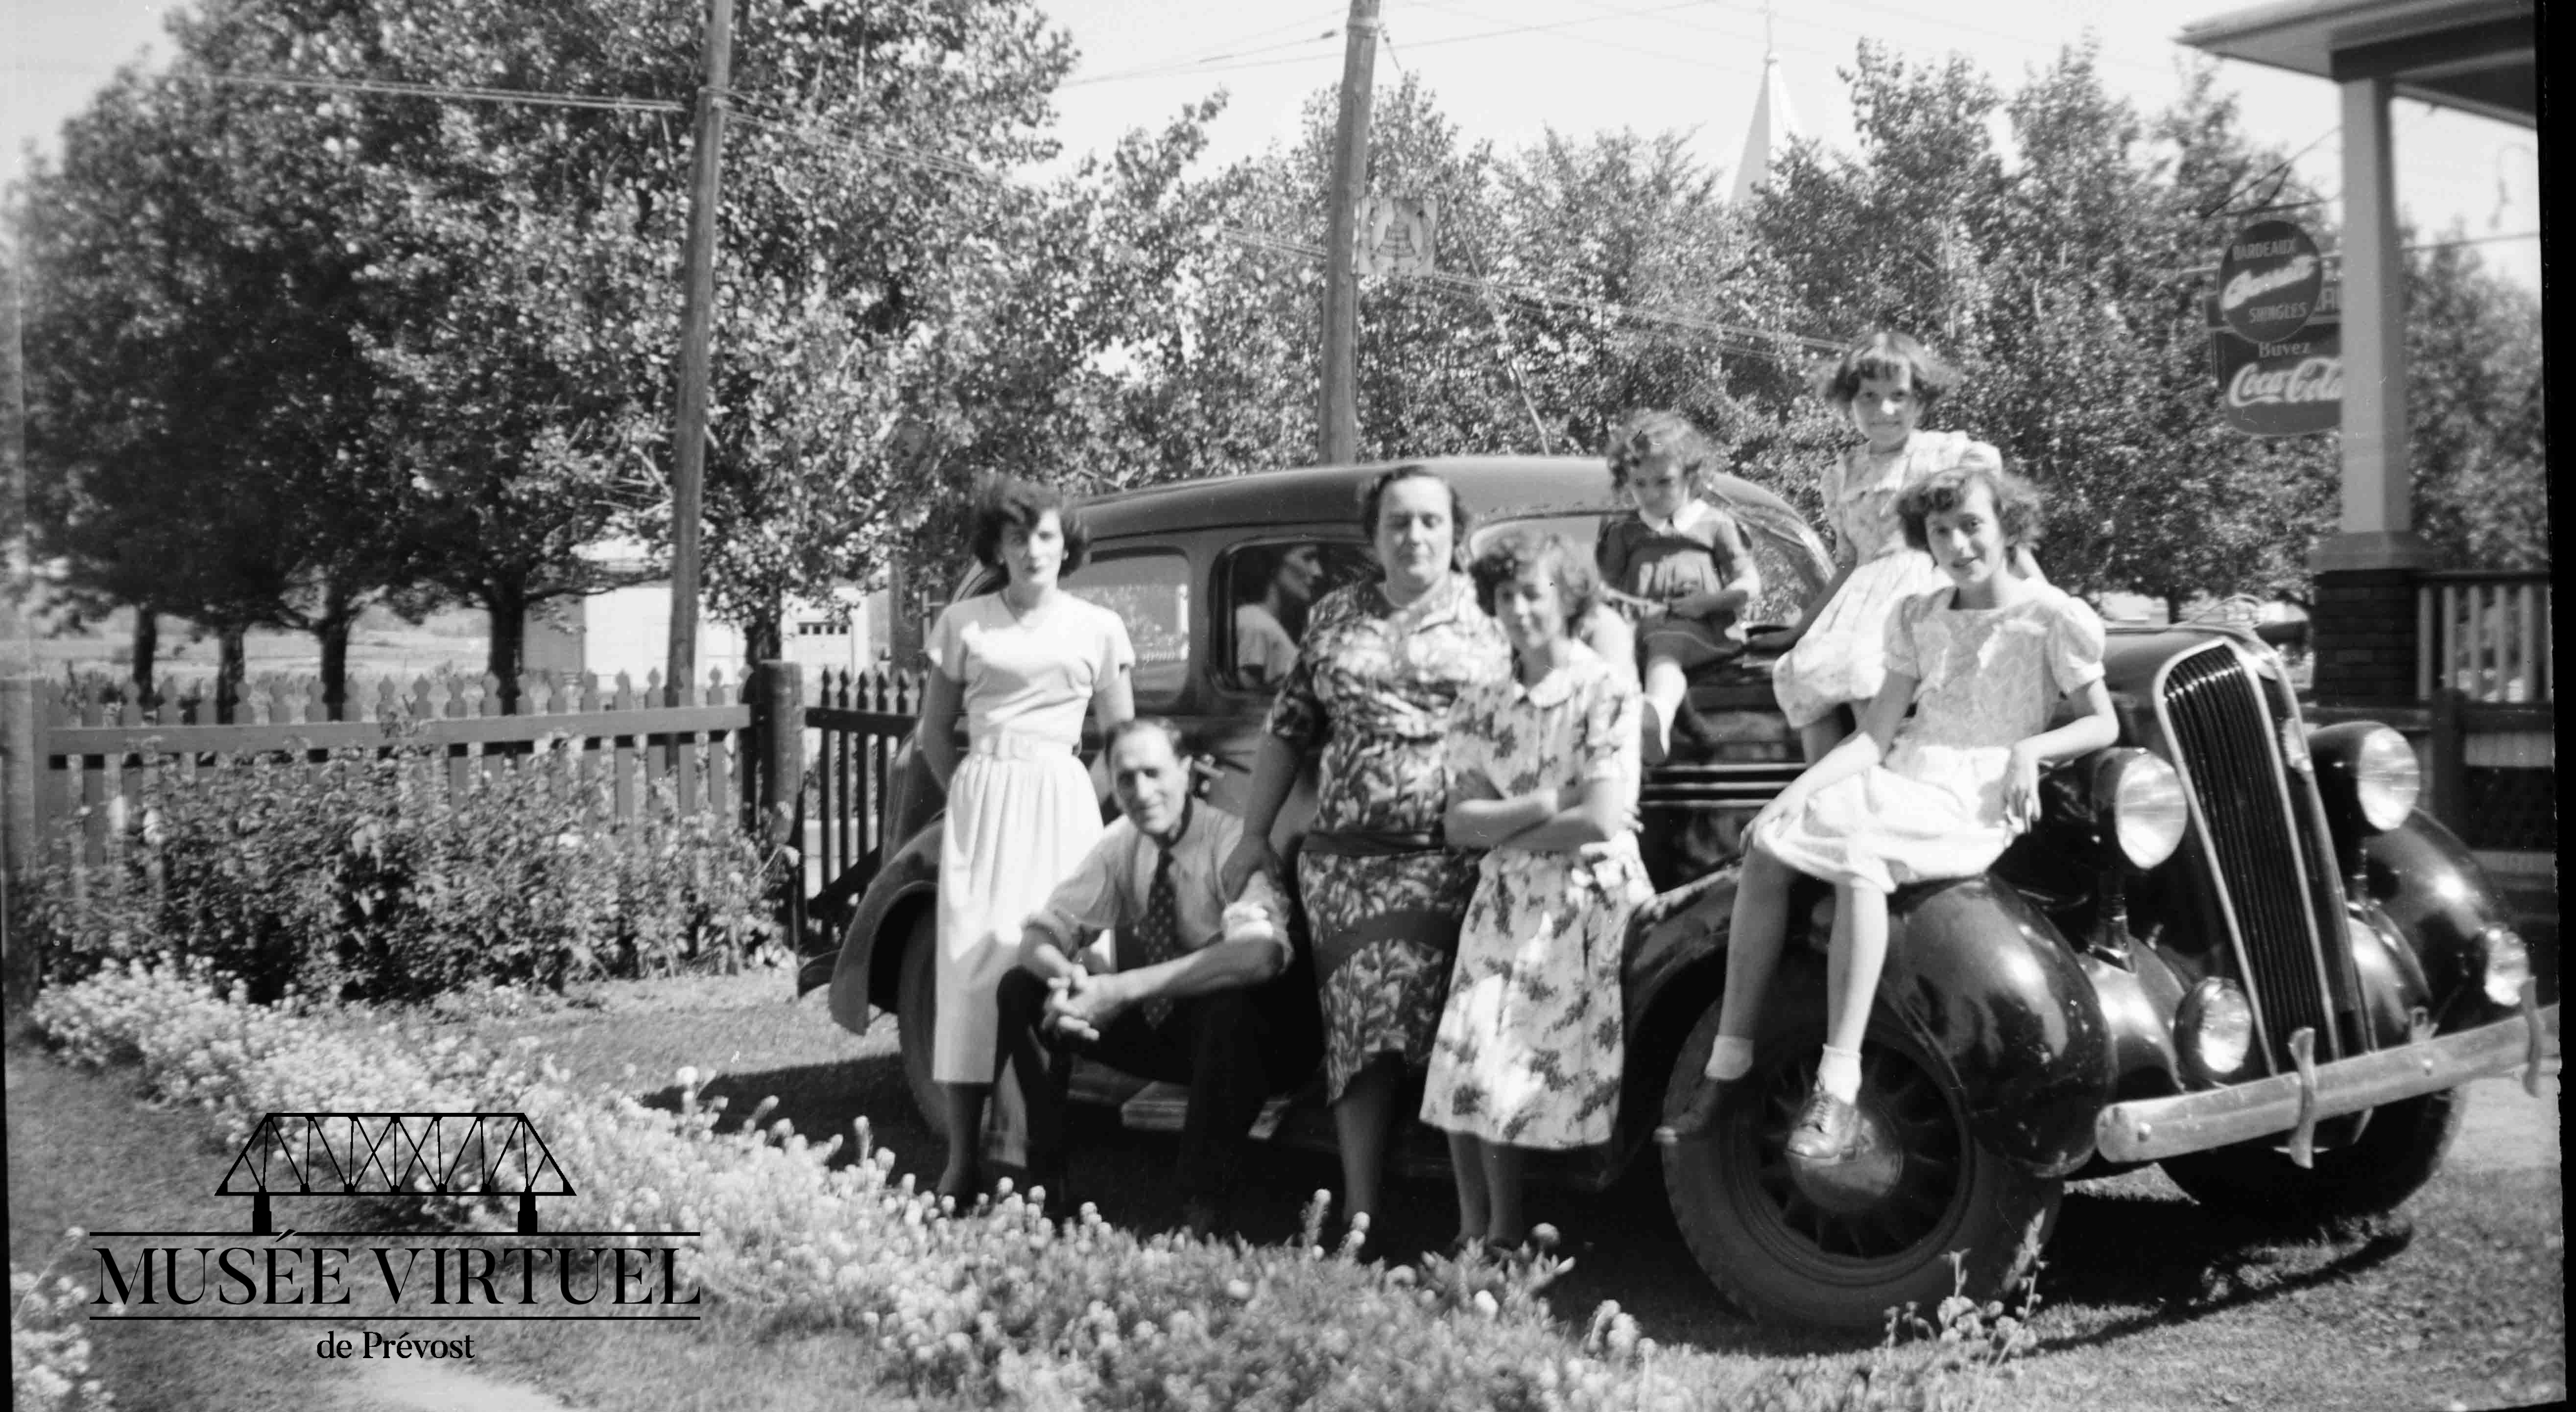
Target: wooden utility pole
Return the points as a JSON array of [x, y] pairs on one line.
[[697, 334], [1339, 413]]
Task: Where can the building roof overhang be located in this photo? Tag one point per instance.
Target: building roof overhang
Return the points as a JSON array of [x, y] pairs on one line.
[[2479, 56]]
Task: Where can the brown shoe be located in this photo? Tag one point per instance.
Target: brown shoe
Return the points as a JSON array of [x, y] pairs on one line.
[[1828, 1131]]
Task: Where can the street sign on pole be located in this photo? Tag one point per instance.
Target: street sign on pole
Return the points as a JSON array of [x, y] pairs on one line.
[[2291, 386], [1395, 235]]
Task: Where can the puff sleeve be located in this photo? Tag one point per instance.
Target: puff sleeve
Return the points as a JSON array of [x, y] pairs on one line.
[[2075, 639], [1962, 451], [1607, 744], [1903, 657]]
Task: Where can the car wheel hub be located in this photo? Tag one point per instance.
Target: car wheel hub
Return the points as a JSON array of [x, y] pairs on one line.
[[1862, 1180]]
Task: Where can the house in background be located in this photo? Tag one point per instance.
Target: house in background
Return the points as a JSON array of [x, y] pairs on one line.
[[628, 629]]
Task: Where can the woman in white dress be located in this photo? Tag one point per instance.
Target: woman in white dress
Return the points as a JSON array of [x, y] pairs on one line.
[[1023, 666], [1834, 661]]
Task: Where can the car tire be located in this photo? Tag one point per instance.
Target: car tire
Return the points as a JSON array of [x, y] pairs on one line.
[[1788, 1246], [2398, 1151], [916, 1006]]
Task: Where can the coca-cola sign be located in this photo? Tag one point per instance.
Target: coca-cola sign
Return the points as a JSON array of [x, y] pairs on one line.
[[2290, 388], [2269, 281]]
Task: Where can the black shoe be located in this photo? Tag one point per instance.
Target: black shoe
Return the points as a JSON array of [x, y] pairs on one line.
[[1697, 1117], [1828, 1131]]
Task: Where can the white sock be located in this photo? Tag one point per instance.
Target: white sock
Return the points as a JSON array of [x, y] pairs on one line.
[[1729, 1059], [1839, 1074]]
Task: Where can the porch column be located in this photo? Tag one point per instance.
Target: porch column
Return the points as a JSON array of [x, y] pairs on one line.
[[2363, 623]]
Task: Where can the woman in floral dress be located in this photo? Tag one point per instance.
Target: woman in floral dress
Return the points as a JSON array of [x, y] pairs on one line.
[[1369, 699], [1543, 771]]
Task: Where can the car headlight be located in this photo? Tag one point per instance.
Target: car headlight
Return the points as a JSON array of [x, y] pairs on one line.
[[2214, 1028], [2147, 809], [2508, 964], [2386, 781]]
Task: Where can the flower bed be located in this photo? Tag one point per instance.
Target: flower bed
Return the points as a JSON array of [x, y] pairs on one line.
[[1008, 1306]]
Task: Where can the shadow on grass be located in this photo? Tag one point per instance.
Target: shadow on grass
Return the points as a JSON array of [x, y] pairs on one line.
[[2185, 1262]]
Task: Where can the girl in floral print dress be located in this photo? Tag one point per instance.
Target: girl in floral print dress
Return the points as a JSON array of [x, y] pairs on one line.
[[1542, 773]]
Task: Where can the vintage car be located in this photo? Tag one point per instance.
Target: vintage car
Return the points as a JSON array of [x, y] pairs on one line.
[[2231, 945]]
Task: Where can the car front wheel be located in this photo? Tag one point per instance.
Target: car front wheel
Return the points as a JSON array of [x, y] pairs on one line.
[[1840, 1245]]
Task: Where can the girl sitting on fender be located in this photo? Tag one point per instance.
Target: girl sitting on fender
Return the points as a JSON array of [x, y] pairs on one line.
[[1982, 664]]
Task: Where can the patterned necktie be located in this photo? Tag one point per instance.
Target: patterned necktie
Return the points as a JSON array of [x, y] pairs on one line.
[[1157, 934]]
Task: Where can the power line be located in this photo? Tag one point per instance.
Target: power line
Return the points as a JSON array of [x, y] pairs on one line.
[[397, 88], [760, 113], [1224, 52], [1739, 338]]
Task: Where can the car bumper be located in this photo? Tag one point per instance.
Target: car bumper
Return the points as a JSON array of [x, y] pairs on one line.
[[2151, 1129]]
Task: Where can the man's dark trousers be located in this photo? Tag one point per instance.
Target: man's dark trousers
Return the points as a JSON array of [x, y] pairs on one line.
[[1234, 1048]]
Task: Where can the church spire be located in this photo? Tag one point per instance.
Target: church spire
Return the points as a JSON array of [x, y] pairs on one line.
[[1774, 123]]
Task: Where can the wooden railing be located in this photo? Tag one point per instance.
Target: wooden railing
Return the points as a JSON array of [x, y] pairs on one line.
[[2486, 636]]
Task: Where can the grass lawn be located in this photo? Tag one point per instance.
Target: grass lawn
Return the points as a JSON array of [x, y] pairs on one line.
[[2148, 1301], [381, 644]]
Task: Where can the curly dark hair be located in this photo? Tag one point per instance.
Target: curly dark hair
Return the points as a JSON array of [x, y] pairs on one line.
[[1643, 434], [1002, 501], [1171, 731], [1578, 583], [1884, 355], [1373, 499], [2016, 501]]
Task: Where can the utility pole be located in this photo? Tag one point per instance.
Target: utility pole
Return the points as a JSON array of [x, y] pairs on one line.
[[1339, 413], [697, 333]]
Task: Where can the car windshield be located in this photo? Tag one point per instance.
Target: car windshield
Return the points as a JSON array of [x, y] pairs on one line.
[[1151, 593]]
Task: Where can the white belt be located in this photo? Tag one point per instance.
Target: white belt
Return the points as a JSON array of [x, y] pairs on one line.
[[1020, 745]]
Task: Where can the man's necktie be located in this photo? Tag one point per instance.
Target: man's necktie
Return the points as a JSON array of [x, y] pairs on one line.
[[1157, 934]]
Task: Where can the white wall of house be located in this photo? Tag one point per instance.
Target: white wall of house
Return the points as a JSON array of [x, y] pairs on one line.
[[628, 630]]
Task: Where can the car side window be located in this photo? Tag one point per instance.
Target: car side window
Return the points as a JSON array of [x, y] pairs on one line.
[[1150, 592], [1269, 588]]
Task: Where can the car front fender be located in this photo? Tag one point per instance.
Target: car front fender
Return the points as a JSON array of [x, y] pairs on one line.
[[1981, 978], [908, 880], [2426, 882]]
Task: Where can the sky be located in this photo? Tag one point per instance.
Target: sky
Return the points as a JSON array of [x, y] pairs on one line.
[[1508, 70]]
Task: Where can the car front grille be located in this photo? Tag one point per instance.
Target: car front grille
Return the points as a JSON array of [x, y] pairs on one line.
[[2247, 810]]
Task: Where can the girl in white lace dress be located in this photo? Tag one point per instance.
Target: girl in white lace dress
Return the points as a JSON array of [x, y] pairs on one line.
[[1983, 665], [1835, 658]]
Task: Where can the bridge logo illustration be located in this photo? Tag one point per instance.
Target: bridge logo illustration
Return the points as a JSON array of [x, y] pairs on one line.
[[393, 1154]]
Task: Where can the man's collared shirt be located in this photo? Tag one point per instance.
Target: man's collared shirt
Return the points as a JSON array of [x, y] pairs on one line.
[[1106, 891]]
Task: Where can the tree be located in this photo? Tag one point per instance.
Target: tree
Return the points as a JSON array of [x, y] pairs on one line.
[[501, 280], [2062, 290], [2477, 447], [193, 388]]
